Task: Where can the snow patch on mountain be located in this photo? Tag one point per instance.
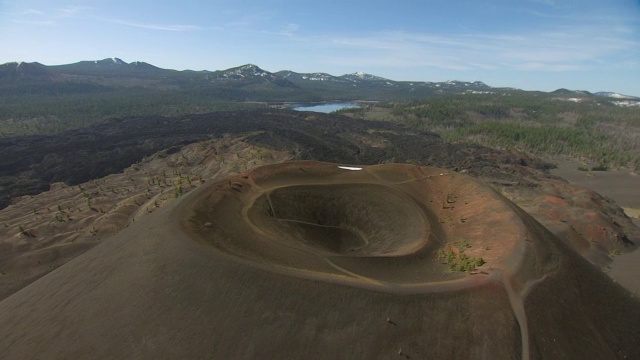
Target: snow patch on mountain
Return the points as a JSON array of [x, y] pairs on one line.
[[478, 92], [359, 75], [317, 77], [615, 95], [244, 71], [572, 99], [627, 103]]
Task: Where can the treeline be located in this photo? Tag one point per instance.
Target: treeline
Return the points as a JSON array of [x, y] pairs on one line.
[[51, 114], [542, 123], [543, 140]]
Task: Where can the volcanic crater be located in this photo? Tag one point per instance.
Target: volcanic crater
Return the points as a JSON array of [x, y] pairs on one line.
[[309, 259], [381, 226]]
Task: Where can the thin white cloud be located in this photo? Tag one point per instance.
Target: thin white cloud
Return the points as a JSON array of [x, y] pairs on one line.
[[289, 29], [562, 49], [72, 11], [162, 27], [35, 22], [534, 66], [249, 20], [69, 11], [26, 12]]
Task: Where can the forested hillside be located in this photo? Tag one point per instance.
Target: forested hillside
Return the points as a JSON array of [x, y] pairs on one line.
[[561, 123]]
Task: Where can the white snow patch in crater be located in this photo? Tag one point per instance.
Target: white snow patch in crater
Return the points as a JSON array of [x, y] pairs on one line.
[[350, 168]]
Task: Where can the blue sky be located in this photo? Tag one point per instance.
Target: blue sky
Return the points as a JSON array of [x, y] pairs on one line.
[[528, 44]]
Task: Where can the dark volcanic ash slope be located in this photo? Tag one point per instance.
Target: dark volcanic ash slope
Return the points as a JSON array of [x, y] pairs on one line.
[[224, 274], [29, 164]]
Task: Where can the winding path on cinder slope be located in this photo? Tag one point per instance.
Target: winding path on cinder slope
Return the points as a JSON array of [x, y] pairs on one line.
[[310, 260]]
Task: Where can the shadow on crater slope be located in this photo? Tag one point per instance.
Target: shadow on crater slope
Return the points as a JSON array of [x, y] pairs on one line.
[[313, 260]]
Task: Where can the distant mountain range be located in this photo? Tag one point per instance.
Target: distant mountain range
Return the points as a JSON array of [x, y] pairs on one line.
[[246, 82], [242, 83]]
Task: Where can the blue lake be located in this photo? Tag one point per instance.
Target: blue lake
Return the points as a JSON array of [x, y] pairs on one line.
[[325, 108]]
